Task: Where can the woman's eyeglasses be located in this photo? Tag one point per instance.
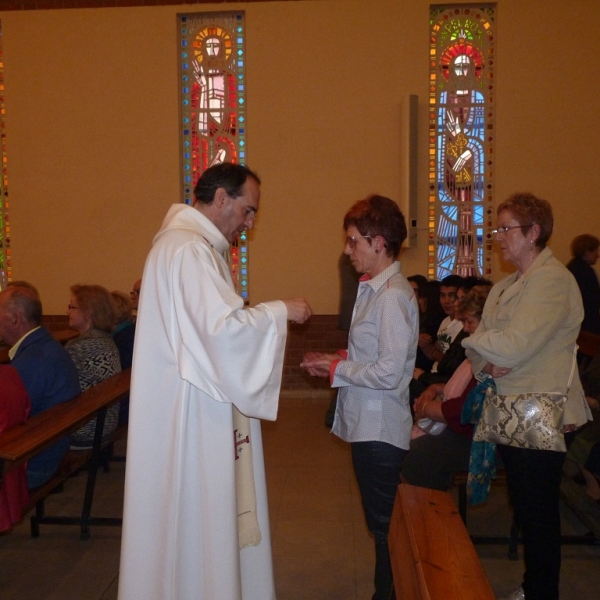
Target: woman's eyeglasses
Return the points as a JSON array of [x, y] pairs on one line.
[[506, 228], [352, 240]]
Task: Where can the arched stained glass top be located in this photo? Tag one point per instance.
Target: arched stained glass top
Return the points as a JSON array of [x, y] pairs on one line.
[[461, 137], [213, 107]]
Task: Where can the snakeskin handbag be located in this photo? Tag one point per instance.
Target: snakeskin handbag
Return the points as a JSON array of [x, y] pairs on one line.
[[533, 420]]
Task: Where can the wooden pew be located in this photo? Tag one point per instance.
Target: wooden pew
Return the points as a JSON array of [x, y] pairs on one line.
[[432, 555], [571, 493], [20, 443]]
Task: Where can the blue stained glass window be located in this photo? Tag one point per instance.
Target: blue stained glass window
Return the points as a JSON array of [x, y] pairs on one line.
[[461, 134]]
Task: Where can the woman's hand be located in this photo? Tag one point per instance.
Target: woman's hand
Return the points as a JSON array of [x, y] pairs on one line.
[[495, 371], [593, 403], [318, 364], [424, 340], [417, 373], [429, 395]]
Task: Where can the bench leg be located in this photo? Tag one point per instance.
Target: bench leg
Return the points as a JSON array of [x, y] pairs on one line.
[[513, 547], [39, 513], [462, 502], [91, 480]]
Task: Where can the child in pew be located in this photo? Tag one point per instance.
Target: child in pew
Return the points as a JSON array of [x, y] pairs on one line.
[[432, 459]]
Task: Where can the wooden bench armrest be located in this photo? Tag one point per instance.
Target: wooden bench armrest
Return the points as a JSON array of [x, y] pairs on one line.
[[432, 555], [20, 443]]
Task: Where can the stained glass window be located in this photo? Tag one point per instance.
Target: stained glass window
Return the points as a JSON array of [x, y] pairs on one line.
[[213, 107], [5, 267], [461, 137]]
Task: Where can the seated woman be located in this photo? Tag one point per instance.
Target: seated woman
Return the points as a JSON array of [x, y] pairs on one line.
[[92, 313], [580, 450], [431, 315], [123, 336], [434, 459], [14, 410]]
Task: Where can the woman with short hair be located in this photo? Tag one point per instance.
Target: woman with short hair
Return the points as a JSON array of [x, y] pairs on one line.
[[373, 374], [526, 340], [92, 312]]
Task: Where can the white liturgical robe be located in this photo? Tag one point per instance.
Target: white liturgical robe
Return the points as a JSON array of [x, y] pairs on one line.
[[197, 353]]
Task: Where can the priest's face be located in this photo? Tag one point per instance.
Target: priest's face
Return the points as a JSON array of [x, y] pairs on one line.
[[238, 214]]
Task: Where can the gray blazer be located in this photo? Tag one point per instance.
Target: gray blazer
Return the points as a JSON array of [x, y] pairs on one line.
[[530, 325]]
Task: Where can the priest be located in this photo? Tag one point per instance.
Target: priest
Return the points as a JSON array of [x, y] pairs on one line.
[[205, 370]]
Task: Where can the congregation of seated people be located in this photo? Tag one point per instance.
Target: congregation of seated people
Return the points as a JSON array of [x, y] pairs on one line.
[[43, 373], [439, 354]]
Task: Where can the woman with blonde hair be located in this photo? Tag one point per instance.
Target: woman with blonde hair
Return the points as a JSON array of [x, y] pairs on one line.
[[527, 340], [92, 312]]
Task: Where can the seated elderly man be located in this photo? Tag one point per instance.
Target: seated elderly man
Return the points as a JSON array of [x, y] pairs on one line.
[[45, 367]]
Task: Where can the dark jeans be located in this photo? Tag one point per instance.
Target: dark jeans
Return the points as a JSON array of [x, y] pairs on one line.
[[533, 478], [377, 469]]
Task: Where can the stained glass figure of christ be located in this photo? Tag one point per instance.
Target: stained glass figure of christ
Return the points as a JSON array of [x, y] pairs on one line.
[[213, 107], [461, 135]]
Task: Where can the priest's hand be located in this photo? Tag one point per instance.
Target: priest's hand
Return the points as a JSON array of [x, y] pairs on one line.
[[298, 309]]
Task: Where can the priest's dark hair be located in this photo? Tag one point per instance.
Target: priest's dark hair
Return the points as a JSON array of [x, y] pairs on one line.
[[378, 215], [229, 176]]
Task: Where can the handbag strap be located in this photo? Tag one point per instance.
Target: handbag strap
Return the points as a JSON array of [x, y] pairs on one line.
[[573, 367]]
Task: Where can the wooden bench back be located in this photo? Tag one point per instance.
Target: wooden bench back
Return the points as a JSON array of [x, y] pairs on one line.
[[18, 444], [432, 555]]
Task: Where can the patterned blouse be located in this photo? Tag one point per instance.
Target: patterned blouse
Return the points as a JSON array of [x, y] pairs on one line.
[[96, 357]]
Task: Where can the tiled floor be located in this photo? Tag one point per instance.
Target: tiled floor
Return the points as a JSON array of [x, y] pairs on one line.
[[321, 548]]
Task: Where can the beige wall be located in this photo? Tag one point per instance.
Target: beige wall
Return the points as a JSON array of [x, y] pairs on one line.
[[92, 130]]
